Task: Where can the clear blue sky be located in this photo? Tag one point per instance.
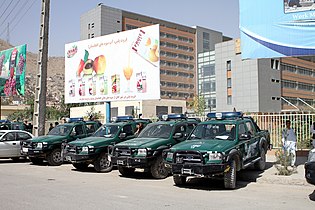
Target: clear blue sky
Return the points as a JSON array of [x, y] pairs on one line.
[[65, 18]]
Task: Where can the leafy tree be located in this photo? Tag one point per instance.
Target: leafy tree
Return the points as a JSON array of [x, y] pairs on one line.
[[198, 104]]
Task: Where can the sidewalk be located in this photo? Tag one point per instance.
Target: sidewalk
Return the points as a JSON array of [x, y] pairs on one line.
[[269, 175]]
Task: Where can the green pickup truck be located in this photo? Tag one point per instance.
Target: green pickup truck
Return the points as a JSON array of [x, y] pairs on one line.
[[145, 151], [93, 150], [49, 147], [220, 146]]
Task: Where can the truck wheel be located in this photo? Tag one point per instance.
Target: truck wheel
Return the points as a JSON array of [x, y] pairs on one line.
[[102, 164], [36, 161], [158, 169], [261, 164], [179, 180], [80, 166], [54, 158], [124, 171], [230, 176]]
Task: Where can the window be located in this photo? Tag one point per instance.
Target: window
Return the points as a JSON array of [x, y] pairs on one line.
[[176, 109], [23, 136], [9, 137], [229, 82], [114, 111], [129, 110], [89, 36], [92, 35], [161, 110], [229, 100], [206, 41], [89, 26], [92, 25], [241, 129], [128, 130], [250, 128], [275, 64], [228, 66]]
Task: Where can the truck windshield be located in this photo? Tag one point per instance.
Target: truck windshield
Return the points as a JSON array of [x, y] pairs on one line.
[[61, 130], [214, 131], [107, 131], [156, 131]]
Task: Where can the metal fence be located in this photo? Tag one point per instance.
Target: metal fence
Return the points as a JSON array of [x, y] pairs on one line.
[[275, 123]]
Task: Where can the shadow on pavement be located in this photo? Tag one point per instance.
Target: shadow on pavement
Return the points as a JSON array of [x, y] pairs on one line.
[[312, 196], [21, 160]]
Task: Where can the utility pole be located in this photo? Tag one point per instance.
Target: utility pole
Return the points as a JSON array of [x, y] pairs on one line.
[[41, 78]]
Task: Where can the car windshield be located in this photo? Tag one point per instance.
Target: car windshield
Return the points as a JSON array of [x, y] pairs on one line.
[[61, 130], [107, 131], [156, 131], [214, 131]]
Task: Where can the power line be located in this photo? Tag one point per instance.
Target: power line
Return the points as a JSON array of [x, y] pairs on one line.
[[11, 11], [6, 9], [26, 11]]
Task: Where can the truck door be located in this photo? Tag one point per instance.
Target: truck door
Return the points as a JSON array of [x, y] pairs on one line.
[[253, 147]]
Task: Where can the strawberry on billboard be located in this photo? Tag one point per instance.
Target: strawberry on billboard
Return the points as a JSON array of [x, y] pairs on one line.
[[116, 67], [12, 71]]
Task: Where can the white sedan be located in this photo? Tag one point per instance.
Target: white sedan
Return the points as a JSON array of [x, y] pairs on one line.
[[10, 146]]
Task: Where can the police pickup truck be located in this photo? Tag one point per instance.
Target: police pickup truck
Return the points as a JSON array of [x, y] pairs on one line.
[[49, 147], [224, 144], [93, 150], [145, 151]]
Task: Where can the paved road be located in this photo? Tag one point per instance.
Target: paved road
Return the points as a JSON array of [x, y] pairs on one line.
[[26, 186]]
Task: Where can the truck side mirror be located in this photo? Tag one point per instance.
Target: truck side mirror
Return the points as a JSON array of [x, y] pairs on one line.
[[122, 135], [244, 136], [178, 136]]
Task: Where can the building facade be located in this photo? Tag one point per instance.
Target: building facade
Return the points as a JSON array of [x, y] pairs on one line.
[[262, 85]]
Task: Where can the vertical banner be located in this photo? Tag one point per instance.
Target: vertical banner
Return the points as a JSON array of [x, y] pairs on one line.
[[117, 67], [12, 71], [277, 28]]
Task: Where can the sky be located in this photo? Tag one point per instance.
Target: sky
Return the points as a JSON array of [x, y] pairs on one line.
[[22, 18]]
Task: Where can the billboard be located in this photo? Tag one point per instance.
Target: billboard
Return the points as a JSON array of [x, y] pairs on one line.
[[116, 67], [12, 71], [277, 28]]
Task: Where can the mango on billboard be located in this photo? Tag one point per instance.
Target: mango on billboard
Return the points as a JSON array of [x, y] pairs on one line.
[[12, 71], [117, 67], [277, 28]]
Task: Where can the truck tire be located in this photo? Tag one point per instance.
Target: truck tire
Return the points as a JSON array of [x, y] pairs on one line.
[[124, 171], [36, 161], [54, 158], [230, 176], [158, 169], [179, 179], [80, 166], [261, 164], [102, 164]]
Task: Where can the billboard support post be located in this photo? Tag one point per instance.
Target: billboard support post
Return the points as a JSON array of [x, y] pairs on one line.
[[108, 111]]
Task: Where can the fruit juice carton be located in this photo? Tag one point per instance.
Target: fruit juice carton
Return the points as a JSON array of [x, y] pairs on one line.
[[92, 86], [81, 87], [146, 47], [115, 83], [141, 82], [71, 84], [103, 85]]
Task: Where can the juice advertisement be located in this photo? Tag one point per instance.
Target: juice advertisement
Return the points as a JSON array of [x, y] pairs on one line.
[[115, 83], [92, 86]]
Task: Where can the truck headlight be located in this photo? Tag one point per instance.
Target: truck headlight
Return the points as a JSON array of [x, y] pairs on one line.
[[215, 156], [142, 152], [311, 156], [40, 145], [85, 149], [45, 144], [169, 155], [91, 148]]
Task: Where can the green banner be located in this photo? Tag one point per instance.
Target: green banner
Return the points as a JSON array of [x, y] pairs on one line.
[[12, 71]]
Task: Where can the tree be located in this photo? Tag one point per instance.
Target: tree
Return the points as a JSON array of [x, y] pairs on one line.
[[198, 104]]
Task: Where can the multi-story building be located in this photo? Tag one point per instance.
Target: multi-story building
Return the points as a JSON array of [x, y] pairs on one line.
[[179, 46], [262, 85]]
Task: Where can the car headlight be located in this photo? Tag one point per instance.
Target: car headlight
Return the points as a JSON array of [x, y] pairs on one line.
[[85, 149], [39, 145], [311, 156], [169, 155], [215, 156], [142, 152]]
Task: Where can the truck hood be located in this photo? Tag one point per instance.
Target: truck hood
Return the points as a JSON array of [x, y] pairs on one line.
[[152, 143], [92, 141], [204, 145], [48, 138]]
